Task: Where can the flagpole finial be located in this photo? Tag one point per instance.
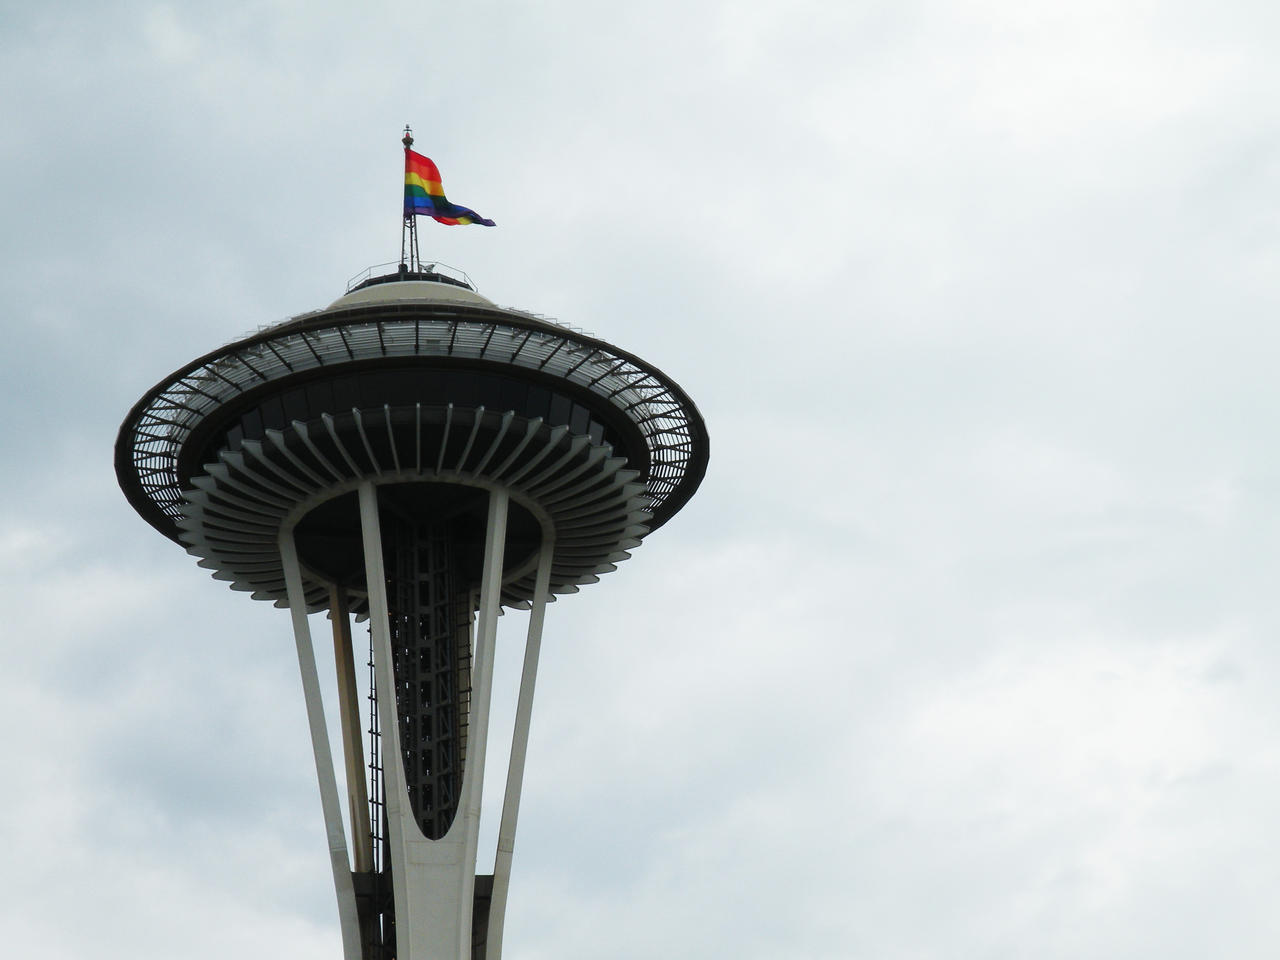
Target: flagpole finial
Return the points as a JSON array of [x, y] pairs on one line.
[[408, 137]]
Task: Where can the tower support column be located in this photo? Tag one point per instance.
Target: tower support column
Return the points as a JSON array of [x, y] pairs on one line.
[[348, 915], [433, 881], [349, 717], [519, 748]]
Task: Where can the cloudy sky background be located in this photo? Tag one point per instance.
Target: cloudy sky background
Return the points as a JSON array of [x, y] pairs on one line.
[[967, 645]]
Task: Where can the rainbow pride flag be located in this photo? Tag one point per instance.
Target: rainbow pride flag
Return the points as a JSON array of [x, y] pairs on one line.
[[424, 195]]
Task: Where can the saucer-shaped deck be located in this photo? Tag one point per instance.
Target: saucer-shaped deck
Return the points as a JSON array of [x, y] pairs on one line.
[[436, 395]]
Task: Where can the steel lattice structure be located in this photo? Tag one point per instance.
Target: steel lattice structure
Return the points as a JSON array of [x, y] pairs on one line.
[[417, 455]]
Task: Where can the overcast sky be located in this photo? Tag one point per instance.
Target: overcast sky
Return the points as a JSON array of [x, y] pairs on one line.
[[966, 648]]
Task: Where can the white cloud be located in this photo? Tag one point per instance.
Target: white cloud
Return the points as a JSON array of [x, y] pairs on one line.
[[169, 40], [963, 648]]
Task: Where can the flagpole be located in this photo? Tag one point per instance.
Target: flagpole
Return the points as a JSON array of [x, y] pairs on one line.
[[409, 229]]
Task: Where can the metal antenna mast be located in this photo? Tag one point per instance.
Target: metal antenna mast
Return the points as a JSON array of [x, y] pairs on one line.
[[410, 261]]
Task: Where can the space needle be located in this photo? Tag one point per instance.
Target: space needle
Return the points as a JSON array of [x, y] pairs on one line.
[[419, 457]]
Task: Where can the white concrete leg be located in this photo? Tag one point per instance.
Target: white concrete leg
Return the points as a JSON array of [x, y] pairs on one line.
[[433, 881], [349, 717], [401, 828], [519, 750], [329, 802], [482, 690]]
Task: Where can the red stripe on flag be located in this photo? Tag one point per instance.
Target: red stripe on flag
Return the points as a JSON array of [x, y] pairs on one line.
[[422, 166]]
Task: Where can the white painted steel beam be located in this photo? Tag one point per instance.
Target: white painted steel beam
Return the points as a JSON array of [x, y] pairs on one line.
[[347, 913], [519, 749], [433, 881], [349, 719], [482, 690], [401, 828]]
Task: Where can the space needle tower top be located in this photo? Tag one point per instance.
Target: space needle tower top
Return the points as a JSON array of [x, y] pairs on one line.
[[418, 456]]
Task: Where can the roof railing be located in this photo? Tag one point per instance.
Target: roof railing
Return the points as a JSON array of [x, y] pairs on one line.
[[394, 269]]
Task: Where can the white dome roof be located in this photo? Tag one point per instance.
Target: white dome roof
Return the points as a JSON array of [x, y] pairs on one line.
[[409, 290]]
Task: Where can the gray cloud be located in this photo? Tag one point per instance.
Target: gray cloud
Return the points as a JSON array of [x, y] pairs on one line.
[[964, 647]]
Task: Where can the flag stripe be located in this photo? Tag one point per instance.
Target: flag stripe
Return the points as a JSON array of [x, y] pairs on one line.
[[426, 186]]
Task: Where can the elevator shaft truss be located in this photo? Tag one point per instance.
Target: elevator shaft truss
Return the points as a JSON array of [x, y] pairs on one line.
[[430, 620]]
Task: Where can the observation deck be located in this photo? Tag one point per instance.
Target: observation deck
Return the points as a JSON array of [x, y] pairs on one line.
[[409, 379]]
